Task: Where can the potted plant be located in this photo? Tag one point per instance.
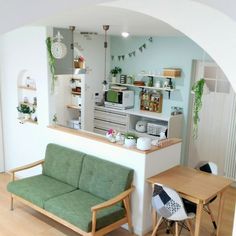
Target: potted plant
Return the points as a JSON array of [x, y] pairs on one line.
[[197, 90], [114, 72], [25, 110], [51, 62], [130, 139]]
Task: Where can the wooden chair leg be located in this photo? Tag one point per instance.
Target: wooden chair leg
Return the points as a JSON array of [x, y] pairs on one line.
[[127, 207], [156, 227], [211, 215], [176, 228], [11, 203], [188, 222]]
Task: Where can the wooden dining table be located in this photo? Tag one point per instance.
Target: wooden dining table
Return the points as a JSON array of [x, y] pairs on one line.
[[196, 186]]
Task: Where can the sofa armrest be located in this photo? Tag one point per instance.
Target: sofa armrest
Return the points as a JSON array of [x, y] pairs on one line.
[[113, 201], [25, 167], [124, 196]]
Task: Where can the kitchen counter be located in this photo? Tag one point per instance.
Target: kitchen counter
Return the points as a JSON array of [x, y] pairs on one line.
[[100, 138]]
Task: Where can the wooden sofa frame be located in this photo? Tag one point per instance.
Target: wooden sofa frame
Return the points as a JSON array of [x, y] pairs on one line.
[[124, 196]]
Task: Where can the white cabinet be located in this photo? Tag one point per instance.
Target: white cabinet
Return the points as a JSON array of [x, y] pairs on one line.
[[106, 118], [125, 120], [156, 123], [74, 105], [82, 101]]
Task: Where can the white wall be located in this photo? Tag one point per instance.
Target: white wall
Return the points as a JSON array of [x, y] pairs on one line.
[[23, 49]]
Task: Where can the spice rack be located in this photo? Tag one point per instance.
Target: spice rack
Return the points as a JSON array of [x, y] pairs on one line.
[[151, 101]]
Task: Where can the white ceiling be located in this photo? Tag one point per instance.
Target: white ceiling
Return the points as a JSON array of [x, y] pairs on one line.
[[93, 17]]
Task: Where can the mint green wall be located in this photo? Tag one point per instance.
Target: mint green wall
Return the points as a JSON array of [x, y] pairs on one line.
[[163, 52]]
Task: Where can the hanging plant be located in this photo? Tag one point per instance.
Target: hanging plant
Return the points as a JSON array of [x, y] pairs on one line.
[[52, 62], [197, 90]]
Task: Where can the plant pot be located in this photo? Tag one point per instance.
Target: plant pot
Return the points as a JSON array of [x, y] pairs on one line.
[[26, 116], [113, 79], [130, 142]]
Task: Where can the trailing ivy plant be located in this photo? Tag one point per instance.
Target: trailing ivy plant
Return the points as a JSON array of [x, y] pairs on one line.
[[197, 89], [52, 62]]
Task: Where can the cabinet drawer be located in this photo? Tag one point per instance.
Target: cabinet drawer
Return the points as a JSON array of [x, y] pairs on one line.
[[100, 131], [113, 117], [109, 125]]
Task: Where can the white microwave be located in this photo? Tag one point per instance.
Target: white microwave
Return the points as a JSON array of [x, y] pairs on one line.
[[119, 99]]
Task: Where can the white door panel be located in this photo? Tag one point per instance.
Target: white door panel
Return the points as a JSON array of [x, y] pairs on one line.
[[214, 117]]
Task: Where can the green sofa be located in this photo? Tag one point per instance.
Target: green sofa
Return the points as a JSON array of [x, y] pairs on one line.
[[87, 194]]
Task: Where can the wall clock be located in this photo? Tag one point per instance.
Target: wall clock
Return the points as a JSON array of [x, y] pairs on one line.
[[58, 48]]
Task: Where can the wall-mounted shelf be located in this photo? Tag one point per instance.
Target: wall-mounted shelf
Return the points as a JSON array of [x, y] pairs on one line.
[[151, 76], [29, 104], [27, 98], [145, 87], [27, 88], [28, 121], [73, 107], [76, 93], [158, 76]]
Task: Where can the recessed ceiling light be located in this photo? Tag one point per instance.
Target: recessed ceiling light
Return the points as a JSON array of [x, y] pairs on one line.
[[125, 34]]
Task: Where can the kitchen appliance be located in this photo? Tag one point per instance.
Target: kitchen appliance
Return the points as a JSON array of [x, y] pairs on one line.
[[144, 143], [155, 129], [76, 100], [141, 126], [119, 99]]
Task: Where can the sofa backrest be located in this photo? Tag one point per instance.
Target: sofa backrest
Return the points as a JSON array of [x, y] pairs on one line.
[[63, 164], [103, 178]]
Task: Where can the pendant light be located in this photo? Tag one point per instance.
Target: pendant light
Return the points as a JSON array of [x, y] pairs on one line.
[[72, 29], [105, 28]]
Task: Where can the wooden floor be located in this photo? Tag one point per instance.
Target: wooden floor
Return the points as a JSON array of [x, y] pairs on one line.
[[24, 221]]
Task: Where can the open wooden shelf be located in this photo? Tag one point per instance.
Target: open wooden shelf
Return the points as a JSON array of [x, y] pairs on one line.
[[28, 103], [146, 87], [76, 93], [28, 121], [73, 107], [27, 88], [158, 76]]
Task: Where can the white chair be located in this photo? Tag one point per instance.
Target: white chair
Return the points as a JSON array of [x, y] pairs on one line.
[[169, 206]]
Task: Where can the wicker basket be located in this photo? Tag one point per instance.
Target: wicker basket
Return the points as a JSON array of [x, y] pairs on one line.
[[173, 72]]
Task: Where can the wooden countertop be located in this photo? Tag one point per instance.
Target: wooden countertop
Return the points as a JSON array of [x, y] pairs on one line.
[[102, 139]]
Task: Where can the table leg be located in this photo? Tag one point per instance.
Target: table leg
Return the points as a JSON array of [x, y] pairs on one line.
[[154, 218], [198, 219], [220, 211]]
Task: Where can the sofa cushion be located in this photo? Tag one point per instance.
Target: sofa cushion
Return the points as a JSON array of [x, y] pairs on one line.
[[103, 178], [75, 207], [63, 164], [38, 189]]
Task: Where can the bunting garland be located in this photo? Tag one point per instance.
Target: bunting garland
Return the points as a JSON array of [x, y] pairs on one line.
[[140, 49]]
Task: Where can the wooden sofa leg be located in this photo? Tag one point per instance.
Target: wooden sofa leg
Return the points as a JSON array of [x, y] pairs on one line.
[[12, 203], [127, 207]]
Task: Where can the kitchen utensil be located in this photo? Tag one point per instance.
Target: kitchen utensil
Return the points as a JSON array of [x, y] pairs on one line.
[[141, 126]]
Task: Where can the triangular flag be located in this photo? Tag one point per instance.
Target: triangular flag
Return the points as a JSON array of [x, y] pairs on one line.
[[123, 57], [134, 53], [119, 57], [130, 54], [144, 45], [141, 48], [112, 57]]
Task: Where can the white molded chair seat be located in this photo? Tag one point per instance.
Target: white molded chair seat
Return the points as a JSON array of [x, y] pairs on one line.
[[169, 205]]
